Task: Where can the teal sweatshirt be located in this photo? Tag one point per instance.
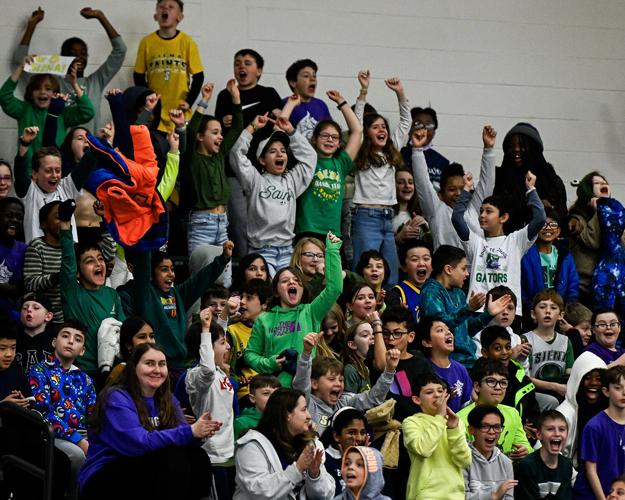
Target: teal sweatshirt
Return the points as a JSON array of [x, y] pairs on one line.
[[168, 311], [279, 329]]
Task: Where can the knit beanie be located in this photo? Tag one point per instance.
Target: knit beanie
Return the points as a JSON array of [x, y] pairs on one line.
[[527, 130]]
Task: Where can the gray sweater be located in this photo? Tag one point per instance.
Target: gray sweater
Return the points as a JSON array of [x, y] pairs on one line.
[[272, 199], [483, 477], [322, 412]]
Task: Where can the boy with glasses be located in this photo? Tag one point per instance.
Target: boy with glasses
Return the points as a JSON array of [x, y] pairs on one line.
[[490, 381], [606, 326], [490, 474]]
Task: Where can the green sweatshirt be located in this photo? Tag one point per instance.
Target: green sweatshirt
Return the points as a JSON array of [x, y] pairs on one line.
[[168, 311], [248, 419], [89, 307], [29, 115], [279, 329]]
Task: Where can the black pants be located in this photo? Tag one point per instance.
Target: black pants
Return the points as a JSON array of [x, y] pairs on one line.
[[180, 472]]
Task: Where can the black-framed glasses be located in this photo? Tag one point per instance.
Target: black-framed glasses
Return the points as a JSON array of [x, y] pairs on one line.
[[397, 334], [332, 137], [493, 382], [551, 225], [312, 255], [604, 326], [426, 126], [489, 428]]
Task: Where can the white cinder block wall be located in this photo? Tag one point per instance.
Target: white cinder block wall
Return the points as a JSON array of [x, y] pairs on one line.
[[558, 64]]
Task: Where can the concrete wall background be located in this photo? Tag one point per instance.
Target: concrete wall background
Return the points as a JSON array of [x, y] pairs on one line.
[[557, 64]]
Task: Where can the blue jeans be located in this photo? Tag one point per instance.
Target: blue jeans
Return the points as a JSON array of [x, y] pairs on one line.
[[372, 229], [276, 257], [206, 228]]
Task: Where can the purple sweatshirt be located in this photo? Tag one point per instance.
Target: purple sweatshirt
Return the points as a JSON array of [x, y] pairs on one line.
[[122, 434]]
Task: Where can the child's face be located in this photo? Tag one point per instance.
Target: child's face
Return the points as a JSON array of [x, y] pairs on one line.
[[458, 273], [6, 180], [79, 143], [491, 389], [428, 121], [168, 14], [617, 491], [52, 225], [591, 385], [164, 276], [396, 335], [69, 344], [11, 220], [515, 150], [363, 303], [275, 158], [616, 393], [33, 315], [7, 352], [49, 174], [363, 340], [377, 134], [246, 71], [328, 387], [259, 397], [585, 330], [607, 329], [42, 95], [490, 219], [306, 83], [330, 328], [216, 305], [250, 307], [418, 265], [404, 186], [289, 289], [221, 348], [430, 398], [312, 259], [81, 54], [441, 339], [256, 270], [354, 471], [500, 350], [546, 314], [600, 187], [552, 434], [354, 434], [92, 269], [505, 317], [211, 138], [327, 142], [487, 434], [374, 273], [451, 191], [550, 231]]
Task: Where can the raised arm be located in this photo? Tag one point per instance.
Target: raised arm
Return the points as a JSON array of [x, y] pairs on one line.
[[364, 76], [400, 135], [355, 127], [200, 378], [21, 170], [22, 49], [538, 210], [457, 217], [334, 279], [89, 13], [240, 163], [428, 197], [486, 182]]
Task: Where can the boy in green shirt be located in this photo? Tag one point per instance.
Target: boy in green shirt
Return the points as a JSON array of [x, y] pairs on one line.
[[261, 387]]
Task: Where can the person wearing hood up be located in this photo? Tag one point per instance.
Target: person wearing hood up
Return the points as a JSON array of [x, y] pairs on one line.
[[490, 475], [583, 398], [362, 473]]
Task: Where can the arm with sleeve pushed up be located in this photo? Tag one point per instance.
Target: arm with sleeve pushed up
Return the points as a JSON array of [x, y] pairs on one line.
[[124, 432], [302, 174], [255, 356], [421, 440], [486, 183], [457, 217], [538, 215], [320, 306], [200, 377], [458, 447], [240, 163]]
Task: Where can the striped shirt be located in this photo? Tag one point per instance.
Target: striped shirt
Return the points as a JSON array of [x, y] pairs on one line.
[[41, 261]]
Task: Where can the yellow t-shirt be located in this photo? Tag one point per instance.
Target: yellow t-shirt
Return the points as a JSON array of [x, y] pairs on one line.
[[241, 334], [168, 64]]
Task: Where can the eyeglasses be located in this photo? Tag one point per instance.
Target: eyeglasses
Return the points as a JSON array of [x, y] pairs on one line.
[[332, 137], [551, 225], [489, 428], [604, 326], [426, 126], [493, 382], [313, 255], [397, 334], [6, 178]]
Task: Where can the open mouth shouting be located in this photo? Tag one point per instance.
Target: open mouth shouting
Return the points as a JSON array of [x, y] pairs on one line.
[[555, 444], [12, 230]]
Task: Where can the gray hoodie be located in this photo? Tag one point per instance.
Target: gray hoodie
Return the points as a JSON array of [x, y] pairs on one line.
[[374, 479], [483, 476], [320, 411], [272, 199]]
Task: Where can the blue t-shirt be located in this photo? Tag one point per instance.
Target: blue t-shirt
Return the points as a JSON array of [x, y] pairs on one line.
[[604, 353], [460, 384], [306, 116], [602, 442], [11, 271]]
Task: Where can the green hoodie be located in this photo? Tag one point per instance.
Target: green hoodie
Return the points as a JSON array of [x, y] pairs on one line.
[[279, 329], [248, 419]]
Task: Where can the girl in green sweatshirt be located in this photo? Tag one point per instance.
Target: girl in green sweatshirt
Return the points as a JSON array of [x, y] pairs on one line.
[[285, 324]]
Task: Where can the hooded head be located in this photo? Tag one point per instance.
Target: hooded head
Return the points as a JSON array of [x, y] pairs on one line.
[[362, 473]]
